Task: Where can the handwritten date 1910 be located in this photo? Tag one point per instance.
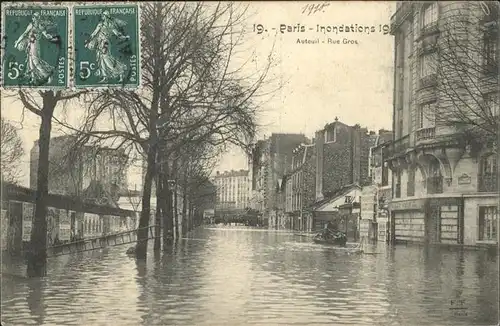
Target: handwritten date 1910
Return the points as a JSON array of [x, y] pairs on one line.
[[312, 8]]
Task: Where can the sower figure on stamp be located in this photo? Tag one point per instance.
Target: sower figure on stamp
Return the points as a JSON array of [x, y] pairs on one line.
[[100, 40], [38, 70]]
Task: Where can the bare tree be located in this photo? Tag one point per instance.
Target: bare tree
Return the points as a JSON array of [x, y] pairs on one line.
[[43, 105], [191, 93], [466, 56], [11, 152]]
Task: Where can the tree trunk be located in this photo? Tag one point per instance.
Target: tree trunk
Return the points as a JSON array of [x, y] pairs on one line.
[[37, 254], [158, 221], [168, 217], [175, 201], [166, 204], [152, 148], [184, 209], [191, 217], [176, 215], [142, 233]]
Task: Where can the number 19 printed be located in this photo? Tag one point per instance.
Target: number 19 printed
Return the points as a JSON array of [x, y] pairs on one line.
[[106, 42]]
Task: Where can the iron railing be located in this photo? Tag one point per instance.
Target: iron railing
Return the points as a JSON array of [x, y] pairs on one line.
[[426, 133]]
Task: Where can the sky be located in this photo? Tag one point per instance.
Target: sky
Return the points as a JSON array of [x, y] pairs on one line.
[[322, 81], [317, 82]]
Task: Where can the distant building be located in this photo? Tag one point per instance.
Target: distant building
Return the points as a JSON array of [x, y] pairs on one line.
[[300, 186], [76, 171], [342, 157], [270, 159], [375, 197], [233, 190]]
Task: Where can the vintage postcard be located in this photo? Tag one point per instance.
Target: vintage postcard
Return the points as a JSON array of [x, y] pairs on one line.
[[250, 163]]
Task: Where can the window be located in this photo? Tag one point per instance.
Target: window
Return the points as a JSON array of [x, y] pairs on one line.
[[331, 135], [489, 165], [430, 15], [385, 175], [490, 49], [398, 185], [428, 64], [490, 10], [426, 115], [488, 216], [490, 102], [410, 189]]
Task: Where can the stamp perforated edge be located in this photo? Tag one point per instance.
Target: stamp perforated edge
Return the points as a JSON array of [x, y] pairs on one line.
[[41, 5], [73, 86]]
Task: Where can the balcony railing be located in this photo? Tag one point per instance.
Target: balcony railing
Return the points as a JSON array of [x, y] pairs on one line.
[[488, 182], [426, 133], [490, 69], [428, 81], [402, 12], [429, 30], [435, 185]]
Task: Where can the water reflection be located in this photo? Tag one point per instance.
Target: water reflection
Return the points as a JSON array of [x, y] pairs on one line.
[[242, 277], [35, 300]]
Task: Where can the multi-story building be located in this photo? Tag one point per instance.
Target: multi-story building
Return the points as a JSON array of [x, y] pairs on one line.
[[233, 191], [342, 157], [90, 174], [300, 186], [270, 159], [380, 189], [445, 96], [76, 170]]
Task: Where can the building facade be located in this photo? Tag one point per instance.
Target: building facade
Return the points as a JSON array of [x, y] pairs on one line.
[[233, 191], [300, 187], [381, 177], [271, 159], [443, 160], [73, 169], [342, 157]]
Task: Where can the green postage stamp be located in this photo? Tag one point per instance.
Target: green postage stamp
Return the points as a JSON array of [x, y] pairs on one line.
[[107, 46], [35, 47]]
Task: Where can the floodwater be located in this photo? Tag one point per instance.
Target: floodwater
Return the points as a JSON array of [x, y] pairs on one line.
[[243, 276]]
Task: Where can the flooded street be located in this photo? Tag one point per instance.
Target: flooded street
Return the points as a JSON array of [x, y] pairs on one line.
[[239, 276]]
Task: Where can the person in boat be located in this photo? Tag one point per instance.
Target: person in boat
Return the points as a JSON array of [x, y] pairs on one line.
[[332, 226]]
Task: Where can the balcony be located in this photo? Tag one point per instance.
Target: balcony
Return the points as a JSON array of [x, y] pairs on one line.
[[490, 20], [426, 133], [402, 13], [399, 146], [490, 69], [435, 185], [488, 182], [428, 81], [429, 30]]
